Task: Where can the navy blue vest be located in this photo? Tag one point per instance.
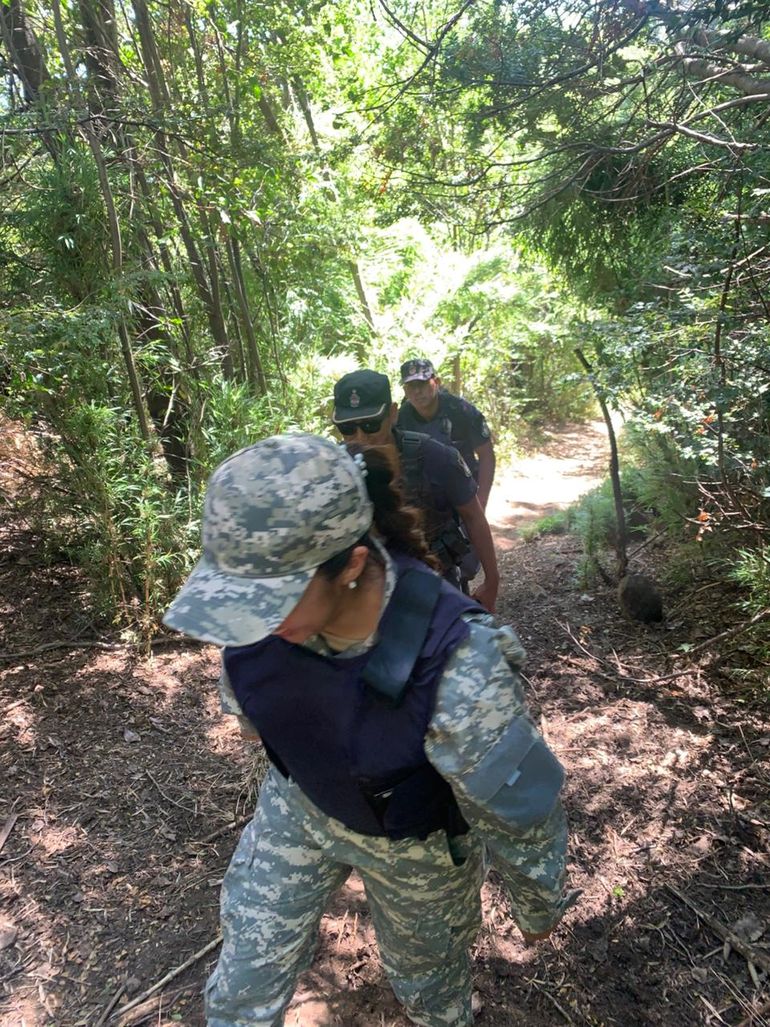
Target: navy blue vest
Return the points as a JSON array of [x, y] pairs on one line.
[[354, 755]]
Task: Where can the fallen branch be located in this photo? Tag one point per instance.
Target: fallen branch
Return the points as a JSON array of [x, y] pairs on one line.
[[546, 994], [170, 976], [659, 677], [168, 797], [24, 653], [579, 645], [151, 1009], [619, 675], [734, 887], [739, 629], [110, 1005], [754, 1019], [108, 646], [231, 826], [749, 952], [731, 632], [7, 828], [20, 966]]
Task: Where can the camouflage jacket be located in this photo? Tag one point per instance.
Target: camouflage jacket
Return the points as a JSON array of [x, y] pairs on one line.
[[479, 700]]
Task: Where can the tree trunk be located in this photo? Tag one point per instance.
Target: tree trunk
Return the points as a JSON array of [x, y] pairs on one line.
[[100, 37], [117, 267], [355, 270], [620, 514], [114, 227], [208, 288], [256, 370], [24, 51]]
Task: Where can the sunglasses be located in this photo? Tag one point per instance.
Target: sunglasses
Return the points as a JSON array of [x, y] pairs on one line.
[[367, 427]]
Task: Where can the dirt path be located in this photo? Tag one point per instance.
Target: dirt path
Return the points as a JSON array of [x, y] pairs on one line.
[[117, 770], [572, 461]]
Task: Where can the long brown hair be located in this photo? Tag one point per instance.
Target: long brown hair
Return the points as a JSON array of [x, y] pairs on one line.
[[399, 524]]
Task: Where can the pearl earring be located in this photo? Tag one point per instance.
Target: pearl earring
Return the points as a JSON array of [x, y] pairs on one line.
[[352, 584]]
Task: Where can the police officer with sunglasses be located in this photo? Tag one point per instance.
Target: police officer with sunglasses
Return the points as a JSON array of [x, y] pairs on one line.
[[435, 477]]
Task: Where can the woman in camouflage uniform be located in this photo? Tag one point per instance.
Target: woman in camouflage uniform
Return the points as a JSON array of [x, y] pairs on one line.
[[391, 709]]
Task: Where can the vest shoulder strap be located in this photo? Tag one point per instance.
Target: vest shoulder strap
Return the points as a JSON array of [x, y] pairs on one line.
[[402, 634], [411, 448], [412, 453], [411, 442]]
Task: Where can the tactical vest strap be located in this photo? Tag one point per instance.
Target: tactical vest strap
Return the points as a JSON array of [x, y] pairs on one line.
[[402, 634], [410, 448]]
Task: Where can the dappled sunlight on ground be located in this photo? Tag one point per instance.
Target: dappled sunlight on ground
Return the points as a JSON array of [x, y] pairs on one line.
[[19, 724]]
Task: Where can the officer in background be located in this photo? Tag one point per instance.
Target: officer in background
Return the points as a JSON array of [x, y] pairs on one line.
[[454, 421], [435, 478]]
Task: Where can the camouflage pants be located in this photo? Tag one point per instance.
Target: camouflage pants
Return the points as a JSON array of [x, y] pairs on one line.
[[291, 857]]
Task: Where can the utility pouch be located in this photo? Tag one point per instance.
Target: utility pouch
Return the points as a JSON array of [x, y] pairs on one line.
[[440, 551], [412, 806], [455, 542], [519, 779]]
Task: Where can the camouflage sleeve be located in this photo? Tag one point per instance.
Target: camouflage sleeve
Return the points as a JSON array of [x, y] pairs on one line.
[[230, 705], [482, 741]]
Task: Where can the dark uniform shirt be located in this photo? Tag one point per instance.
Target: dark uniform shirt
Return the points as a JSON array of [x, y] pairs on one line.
[[449, 481], [457, 423]]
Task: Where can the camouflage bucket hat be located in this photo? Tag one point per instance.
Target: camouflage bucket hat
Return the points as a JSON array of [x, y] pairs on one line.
[[274, 512]]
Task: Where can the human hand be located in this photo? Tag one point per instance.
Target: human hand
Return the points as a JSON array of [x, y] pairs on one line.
[[486, 594]]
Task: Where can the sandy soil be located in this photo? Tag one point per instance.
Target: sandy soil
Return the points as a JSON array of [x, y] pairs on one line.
[[121, 784]]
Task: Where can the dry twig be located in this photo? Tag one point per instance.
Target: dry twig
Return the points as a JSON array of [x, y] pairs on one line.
[[734, 887], [170, 976], [108, 646], [738, 629], [757, 1018], [230, 826], [110, 1005], [151, 1010], [558, 1005], [749, 952], [618, 675], [7, 828]]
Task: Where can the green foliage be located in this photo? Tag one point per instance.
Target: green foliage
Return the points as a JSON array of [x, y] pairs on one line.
[[552, 524], [109, 507], [495, 326], [593, 520], [662, 480], [397, 286], [752, 573], [61, 227], [512, 333], [234, 418], [54, 356], [546, 180]]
